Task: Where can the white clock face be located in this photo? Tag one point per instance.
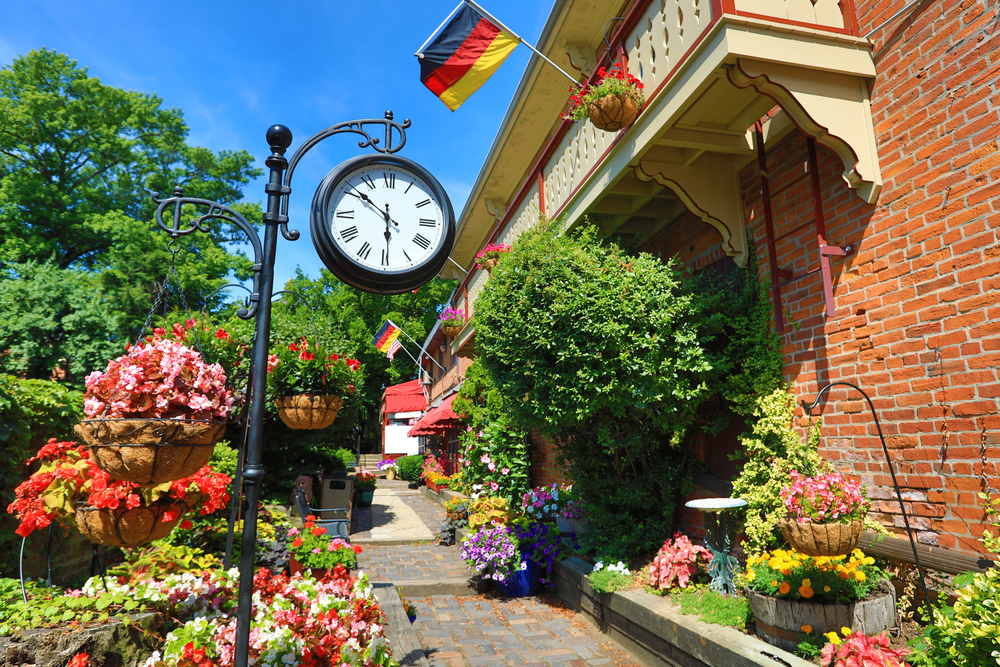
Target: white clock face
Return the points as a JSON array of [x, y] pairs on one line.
[[385, 218]]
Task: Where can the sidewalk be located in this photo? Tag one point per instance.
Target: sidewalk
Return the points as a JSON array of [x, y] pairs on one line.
[[469, 630]]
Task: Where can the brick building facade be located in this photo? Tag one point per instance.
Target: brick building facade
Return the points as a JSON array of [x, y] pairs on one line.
[[916, 298]]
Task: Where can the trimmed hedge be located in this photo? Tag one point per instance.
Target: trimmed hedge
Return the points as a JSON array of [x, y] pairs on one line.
[[410, 467]]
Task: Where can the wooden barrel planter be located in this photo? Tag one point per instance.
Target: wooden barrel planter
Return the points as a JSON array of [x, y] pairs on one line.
[[779, 622], [307, 412], [150, 451], [123, 527]]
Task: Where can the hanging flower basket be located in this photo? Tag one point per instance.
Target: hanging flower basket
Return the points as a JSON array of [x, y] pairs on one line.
[[306, 411], [150, 451], [490, 256], [612, 102], [451, 331], [613, 112], [822, 539], [124, 527]]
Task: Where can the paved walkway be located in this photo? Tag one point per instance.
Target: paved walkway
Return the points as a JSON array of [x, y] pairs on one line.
[[393, 518], [478, 630]]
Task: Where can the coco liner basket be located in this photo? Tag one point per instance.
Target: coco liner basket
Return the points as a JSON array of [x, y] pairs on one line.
[[822, 539], [123, 527], [612, 113], [308, 412], [150, 451]]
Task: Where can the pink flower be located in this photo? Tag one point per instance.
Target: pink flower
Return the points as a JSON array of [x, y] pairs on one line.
[[492, 466], [494, 486], [504, 471]]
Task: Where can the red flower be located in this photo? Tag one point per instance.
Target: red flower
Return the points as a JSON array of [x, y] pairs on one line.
[[221, 334], [307, 356], [318, 530], [78, 660], [356, 549], [186, 525], [334, 357], [297, 542]]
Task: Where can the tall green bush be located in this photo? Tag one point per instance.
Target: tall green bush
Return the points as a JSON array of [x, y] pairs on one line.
[[614, 356], [31, 412], [410, 467]]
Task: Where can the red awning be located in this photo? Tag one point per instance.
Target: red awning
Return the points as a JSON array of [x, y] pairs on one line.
[[406, 397], [436, 420]]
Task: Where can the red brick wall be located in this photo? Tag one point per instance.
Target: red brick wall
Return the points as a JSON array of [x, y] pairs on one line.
[[544, 470]]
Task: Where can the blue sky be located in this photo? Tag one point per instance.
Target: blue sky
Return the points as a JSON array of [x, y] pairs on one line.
[[236, 68]]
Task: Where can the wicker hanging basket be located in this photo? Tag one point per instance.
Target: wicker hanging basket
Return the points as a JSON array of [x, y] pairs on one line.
[[451, 331], [612, 113], [822, 539], [488, 264], [150, 451], [123, 527], [306, 411]]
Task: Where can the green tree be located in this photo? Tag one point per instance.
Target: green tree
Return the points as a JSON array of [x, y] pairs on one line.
[[79, 161]]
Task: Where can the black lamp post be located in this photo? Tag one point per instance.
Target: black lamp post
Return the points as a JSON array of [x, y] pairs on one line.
[[258, 306]]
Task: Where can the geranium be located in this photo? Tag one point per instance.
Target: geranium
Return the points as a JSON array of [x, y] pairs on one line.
[[492, 552], [304, 367], [488, 256], [676, 562], [788, 573], [452, 318], [314, 548], [825, 498], [608, 82], [159, 378], [67, 476], [364, 479]]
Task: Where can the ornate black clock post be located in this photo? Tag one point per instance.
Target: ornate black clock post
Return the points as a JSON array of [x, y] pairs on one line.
[[406, 227]]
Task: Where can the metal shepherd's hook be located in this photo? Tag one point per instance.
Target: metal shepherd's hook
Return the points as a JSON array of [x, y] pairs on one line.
[[892, 472]]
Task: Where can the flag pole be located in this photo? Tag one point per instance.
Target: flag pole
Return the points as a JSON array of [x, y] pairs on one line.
[[422, 46], [417, 344], [510, 32]]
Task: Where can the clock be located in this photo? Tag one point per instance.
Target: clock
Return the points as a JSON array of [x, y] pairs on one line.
[[382, 223]]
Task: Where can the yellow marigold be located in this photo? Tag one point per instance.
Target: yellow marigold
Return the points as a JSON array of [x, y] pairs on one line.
[[833, 638], [859, 575], [844, 574], [806, 629], [774, 564], [826, 589], [784, 588], [869, 561], [846, 631], [751, 575], [807, 583]]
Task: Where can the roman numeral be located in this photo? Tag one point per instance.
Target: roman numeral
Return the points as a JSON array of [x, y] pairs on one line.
[[421, 241], [366, 250], [424, 222], [349, 234], [390, 180], [368, 181], [346, 214], [408, 187], [385, 258], [407, 257], [423, 203]]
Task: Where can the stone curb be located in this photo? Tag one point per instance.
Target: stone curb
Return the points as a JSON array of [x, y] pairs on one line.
[[389, 541], [656, 633], [403, 640], [421, 588]]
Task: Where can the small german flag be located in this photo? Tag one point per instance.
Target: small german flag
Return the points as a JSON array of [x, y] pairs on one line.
[[463, 56], [385, 337]]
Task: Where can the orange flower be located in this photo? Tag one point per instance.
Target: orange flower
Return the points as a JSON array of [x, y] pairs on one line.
[[784, 588], [806, 629], [805, 591], [297, 542]]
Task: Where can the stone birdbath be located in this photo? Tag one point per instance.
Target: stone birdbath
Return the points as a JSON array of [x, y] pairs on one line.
[[721, 528]]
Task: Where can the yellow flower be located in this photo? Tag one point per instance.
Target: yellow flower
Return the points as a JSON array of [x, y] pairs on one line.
[[806, 629], [826, 589], [859, 575], [751, 575], [833, 638], [869, 561], [846, 631], [807, 583]]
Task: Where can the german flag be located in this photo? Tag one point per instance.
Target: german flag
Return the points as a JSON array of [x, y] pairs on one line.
[[385, 337], [463, 55]]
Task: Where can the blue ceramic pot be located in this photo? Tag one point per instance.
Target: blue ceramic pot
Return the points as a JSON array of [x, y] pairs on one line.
[[363, 498], [522, 582]]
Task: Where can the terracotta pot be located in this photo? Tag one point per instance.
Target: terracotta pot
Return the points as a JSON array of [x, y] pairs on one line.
[[612, 113], [822, 539], [125, 527], [436, 488], [150, 451], [451, 331], [306, 411], [779, 621]]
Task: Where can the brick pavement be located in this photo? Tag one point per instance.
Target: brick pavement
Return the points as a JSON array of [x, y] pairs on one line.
[[484, 630]]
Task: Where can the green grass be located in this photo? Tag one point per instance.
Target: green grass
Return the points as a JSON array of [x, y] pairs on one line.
[[606, 581], [712, 607]]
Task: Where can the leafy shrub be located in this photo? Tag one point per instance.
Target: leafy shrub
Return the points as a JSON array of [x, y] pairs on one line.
[[410, 467], [965, 635], [225, 459], [676, 562], [615, 357], [772, 450], [159, 560], [711, 607]]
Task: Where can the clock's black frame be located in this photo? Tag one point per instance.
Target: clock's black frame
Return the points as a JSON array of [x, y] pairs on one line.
[[343, 265]]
